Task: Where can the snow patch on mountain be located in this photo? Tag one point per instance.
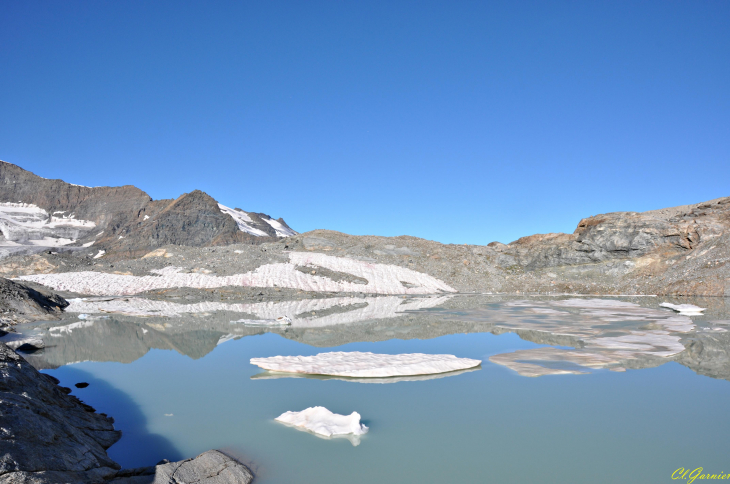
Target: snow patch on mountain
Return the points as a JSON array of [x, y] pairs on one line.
[[281, 230], [243, 221], [25, 226]]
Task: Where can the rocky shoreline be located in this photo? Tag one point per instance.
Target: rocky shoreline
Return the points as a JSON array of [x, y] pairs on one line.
[[50, 436]]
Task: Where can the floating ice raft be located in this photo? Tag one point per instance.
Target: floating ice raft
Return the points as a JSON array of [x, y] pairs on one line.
[[686, 309], [322, 422], [366, 365]]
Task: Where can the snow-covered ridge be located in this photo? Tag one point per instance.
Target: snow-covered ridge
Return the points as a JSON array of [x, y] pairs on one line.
[[242, 220], [322, 422], [280, 229], [366, 365], [382, 278], [245, 223]]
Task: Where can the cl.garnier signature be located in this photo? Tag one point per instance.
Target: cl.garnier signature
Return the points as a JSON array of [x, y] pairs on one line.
[[697, 473]]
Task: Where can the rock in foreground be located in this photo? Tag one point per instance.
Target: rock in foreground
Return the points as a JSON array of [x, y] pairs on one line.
[[49, 436], [212, 467], [21, 304]]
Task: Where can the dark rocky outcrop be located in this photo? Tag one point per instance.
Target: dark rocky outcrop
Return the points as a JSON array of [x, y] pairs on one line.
[[21, 304], [193, 219], [51, 437]]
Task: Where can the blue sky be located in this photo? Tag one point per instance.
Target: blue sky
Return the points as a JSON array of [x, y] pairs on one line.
[[463, 122]]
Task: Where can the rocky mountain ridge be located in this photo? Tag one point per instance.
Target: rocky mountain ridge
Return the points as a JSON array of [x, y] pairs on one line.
[[194, 242], [37, 213]]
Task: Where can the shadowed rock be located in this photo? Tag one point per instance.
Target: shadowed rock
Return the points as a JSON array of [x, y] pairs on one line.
[[49, 436], [212, 467], [20, 303]]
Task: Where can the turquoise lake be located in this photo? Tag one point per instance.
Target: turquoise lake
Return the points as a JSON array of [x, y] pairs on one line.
[[487, 425]]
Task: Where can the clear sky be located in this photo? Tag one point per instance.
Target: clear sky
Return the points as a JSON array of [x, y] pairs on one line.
[[463, 122]]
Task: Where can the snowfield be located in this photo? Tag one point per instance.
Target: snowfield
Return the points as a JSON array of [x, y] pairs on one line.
[[382, 278]]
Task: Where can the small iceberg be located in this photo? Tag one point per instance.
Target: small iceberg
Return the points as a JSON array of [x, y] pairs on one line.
[[280, 321], [366, 365], [324, 423], [686, 309]]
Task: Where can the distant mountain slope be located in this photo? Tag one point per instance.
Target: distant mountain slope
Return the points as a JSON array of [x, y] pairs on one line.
[[37, 214]]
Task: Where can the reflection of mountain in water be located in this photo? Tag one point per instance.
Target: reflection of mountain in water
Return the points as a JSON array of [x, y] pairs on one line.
[[604, 334]]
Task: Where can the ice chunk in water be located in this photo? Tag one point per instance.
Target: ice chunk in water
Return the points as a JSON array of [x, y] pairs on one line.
[[686, 309], [322, 422], [366, 365]]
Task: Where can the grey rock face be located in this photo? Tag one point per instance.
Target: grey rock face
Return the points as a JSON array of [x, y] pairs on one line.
[[623, 235], [49, 436], [212, 467], [20, 303]]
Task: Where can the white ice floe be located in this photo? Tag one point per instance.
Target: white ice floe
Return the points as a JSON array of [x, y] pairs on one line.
[[365, 365], [242, 220], [322, 422], [686, 309], [382, 278], [280, 321]]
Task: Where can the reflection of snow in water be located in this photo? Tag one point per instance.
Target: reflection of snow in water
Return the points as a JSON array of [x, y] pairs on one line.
[[70, 327], [382, 278], [643, 332], [375, 308], [275, 375]]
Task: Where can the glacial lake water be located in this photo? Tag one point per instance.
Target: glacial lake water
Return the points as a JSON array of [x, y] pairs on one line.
[[638, 424]]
